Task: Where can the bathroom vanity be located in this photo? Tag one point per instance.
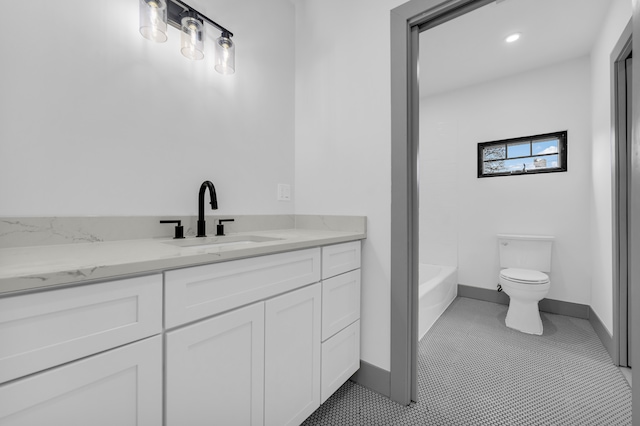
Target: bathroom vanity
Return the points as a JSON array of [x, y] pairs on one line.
[[245, 339]]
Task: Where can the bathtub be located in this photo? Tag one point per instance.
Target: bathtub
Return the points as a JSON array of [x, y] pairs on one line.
[[438, 288]]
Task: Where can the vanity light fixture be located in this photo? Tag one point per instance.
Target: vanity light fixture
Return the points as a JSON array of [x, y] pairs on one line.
[[156, 14], [192, 37], [153, 20], [225, 54], [512, 38]]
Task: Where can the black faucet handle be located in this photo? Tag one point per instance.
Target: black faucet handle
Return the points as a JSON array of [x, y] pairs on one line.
[[179, 230], [220, 226]]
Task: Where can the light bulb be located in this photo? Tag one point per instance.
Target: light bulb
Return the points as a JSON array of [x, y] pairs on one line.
[[512, 38]]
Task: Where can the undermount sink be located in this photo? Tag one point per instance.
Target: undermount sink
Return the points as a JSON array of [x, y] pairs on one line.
[[209, 242]]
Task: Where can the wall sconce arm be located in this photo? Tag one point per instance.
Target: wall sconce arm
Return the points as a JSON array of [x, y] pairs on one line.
[[176, 9]]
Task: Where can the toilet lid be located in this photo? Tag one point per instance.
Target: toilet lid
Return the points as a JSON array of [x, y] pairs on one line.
[[524, 276]]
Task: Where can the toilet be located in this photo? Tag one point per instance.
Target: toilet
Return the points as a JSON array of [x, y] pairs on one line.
[[524, 259]]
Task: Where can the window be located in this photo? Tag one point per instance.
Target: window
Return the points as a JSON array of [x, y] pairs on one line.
[[527, 155]]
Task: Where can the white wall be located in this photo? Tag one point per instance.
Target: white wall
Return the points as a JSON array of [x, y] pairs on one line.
[[343, 128], [96, 120], [602, 128], [438, 189], [546, 100]]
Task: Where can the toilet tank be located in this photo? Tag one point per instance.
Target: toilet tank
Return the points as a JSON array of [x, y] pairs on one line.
[[525, 251]]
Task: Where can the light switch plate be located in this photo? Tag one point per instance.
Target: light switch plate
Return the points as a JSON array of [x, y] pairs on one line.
[[284, 192]]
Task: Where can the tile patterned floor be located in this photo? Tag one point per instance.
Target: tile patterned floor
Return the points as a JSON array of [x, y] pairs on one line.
[[475, 371]]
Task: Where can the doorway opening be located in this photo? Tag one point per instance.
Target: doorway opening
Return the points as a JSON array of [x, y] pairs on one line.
[[406, 23]]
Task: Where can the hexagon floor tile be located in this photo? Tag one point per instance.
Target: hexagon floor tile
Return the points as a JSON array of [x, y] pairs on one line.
[[475, 371]]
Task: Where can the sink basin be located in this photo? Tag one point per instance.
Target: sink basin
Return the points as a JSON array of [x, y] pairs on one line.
[[210, 242]]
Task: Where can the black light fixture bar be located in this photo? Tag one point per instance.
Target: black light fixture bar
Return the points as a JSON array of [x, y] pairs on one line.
[[176, 9]]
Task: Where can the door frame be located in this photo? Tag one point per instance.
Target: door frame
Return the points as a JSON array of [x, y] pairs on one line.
[[407, 21], [404, 20], [634, 216], [619, 120]]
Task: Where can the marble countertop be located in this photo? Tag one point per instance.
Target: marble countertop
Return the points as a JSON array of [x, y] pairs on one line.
[[39, 267]]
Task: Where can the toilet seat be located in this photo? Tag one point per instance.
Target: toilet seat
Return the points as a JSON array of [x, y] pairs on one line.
[[524, 276]]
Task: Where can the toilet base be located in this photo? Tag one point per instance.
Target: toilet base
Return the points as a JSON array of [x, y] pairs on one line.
[[524, 316]]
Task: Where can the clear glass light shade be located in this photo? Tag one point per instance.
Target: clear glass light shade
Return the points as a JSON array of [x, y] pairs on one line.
[[192, 38], [153, 20], [225, 55]]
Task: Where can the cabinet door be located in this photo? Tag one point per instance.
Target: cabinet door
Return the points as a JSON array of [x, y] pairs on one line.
[[292, 356], [215, 370], [118, 387]]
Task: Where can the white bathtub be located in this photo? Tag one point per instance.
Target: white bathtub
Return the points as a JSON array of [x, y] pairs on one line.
[[438, 288]]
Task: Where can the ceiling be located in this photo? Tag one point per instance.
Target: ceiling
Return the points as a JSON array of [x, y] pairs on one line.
[[471, 49]]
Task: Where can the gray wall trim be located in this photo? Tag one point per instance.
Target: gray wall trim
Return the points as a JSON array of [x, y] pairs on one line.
[[607, 339], [560, 307], [576, 310], [374, 378], [483, 294]]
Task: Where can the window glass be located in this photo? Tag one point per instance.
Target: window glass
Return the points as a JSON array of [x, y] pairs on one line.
[[493, 167], [495, 152], [549, 146], [545, 162], [525, 155], [519, 149]]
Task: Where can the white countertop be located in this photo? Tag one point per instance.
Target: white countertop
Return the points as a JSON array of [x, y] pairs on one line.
[[38, 267]]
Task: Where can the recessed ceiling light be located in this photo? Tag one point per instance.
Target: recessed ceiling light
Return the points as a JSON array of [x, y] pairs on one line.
[[512, 38]]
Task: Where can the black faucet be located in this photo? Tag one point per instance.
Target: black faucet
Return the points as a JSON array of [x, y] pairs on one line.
[[214, 205]]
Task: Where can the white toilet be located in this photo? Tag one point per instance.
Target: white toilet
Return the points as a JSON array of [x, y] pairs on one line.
[[525, 259]]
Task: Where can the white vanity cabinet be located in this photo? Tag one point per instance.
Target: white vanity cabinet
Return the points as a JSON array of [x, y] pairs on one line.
[[201, 291], [44, 329], [83, 355], [340, 315], [263, 340], [120, 387], [252, 356], [256, 365], [340, 258], [260, 341], [215, 370], [292, 356]]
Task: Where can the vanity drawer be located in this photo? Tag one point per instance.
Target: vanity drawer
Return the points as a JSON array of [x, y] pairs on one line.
[[119, 387], [340, 359], [340, 302], [340, 258], [49, 328], [202, 291]]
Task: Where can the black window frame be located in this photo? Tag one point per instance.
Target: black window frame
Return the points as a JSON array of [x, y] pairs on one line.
[[562, 154]]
